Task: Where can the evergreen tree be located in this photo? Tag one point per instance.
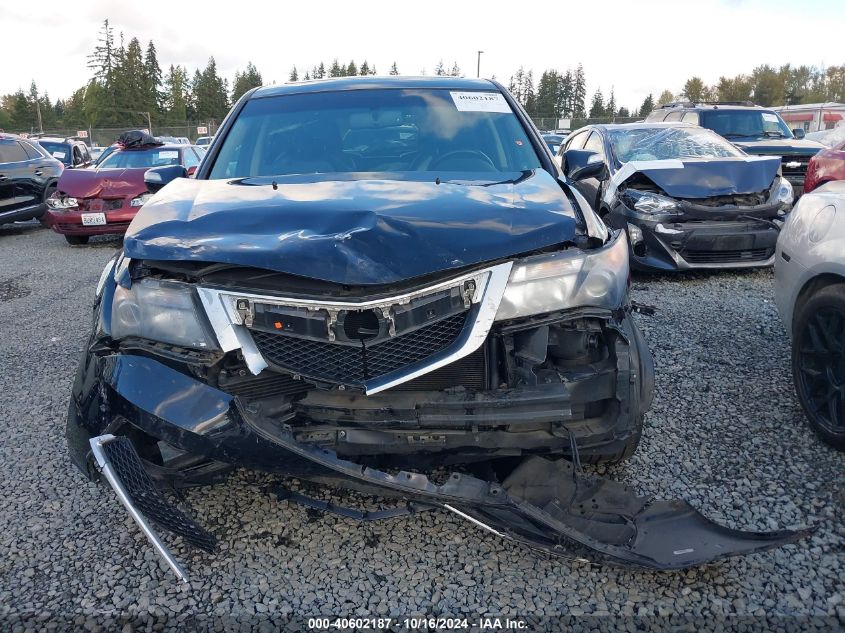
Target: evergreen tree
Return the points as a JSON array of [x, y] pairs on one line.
[[597, 109], [610, 108], [365, 68], [101, 61], [439, 69], [647, 106], [563, 96], [336, 70], [153, 80], [579, 93], [351, 69], [245, 81], [294, 76], [320, 72], [307, 76], [394, 70], [456, 70], [547, 91], [210, 93], [175, 87], [624, 113]]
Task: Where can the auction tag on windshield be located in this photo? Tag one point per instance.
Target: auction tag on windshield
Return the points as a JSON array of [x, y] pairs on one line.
[[768, 116], [169, 153], [58, 154], [480, 102]]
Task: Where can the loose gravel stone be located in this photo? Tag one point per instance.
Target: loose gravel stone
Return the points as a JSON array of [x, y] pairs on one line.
[[725, 433]]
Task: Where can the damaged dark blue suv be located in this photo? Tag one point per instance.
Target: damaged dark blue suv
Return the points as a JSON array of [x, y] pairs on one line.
[[369, 278]]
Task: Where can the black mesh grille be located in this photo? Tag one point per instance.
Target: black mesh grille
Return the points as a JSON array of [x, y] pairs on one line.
[[147, 498], [268, 384], [353, 364], [726, 257], [469, 372]]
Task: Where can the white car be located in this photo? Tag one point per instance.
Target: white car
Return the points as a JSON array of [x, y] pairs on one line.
[[810, 295]]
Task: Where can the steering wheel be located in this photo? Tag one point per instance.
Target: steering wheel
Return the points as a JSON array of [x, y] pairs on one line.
[[473, 154]]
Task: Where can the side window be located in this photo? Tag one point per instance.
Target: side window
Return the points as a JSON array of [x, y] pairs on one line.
[[690, 117], [30, 151], [191, 159], [12, 153], [86, 155], [576, 141], [77, 155], [674, 116], [657, 115], [595, 144]]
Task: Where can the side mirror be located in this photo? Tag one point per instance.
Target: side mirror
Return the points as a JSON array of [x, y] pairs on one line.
[[798, 132], [157, 177], [580, 164]]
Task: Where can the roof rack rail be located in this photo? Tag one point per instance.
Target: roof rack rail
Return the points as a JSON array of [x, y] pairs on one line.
[[691, 104]]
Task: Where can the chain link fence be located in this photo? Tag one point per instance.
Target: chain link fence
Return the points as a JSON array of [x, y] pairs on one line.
[[549, 123], [105, 136]]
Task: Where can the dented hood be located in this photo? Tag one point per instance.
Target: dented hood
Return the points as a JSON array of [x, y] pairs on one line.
[[350, 230], [707, 177], [102, 183]]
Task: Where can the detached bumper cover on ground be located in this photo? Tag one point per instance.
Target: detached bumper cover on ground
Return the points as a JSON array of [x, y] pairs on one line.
[[545, 503]]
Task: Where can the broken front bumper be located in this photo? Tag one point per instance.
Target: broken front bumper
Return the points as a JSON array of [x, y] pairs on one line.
[[547, 504], [698, 241]]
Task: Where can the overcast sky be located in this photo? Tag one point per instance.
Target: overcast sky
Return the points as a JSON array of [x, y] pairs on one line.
[[635, 46]]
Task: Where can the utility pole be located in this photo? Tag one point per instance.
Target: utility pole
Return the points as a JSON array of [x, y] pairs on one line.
[[478, 69]]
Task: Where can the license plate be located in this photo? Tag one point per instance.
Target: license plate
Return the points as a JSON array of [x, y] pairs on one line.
[[93, 219]]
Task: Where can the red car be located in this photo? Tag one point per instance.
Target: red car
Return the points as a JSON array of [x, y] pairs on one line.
[[827, 165], [103, 200]]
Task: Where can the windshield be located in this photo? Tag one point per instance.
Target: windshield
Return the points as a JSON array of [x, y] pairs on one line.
[[738, 124], [153, 157], [414, 130], [59, 151], [662, 143]]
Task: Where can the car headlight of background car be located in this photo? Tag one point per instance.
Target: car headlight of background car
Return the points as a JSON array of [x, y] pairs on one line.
[[140, 200], [651, 203], [568, 279], [783, 192], [163, 311], [56, 202]]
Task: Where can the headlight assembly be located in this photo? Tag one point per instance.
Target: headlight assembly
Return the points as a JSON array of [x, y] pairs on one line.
[[568, 279], [55, 202], [164, 311], [140, 200], [651, 203], [783, 193]]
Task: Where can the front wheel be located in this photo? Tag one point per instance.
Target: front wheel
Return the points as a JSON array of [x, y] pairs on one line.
[[76, 240], [818, 362]]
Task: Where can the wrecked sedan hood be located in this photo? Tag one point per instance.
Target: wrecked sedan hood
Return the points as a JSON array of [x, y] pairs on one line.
[[707, 177], [102, 183], [352, 230], [779, 146]]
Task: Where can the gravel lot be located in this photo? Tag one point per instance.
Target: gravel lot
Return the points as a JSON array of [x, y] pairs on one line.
[[726, 433]]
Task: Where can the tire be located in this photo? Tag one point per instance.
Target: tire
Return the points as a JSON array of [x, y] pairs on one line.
[[49, 191], [76, 240], [818, 362]]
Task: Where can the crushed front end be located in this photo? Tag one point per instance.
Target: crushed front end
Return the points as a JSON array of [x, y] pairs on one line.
[[533, 364], [700, 214]]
